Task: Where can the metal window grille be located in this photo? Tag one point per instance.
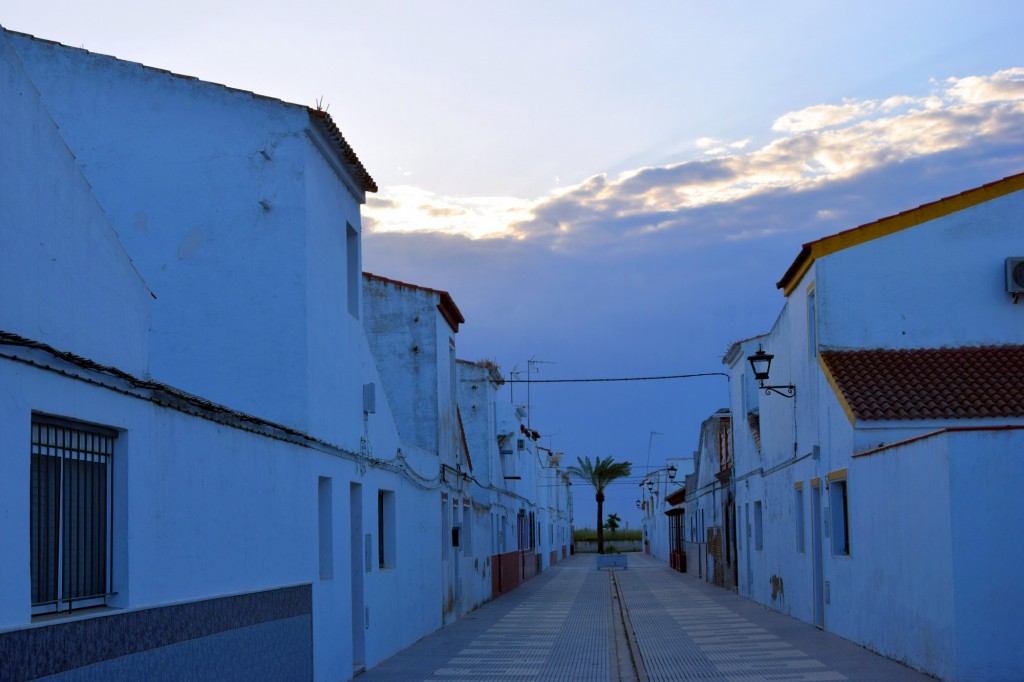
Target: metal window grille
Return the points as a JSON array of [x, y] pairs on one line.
[[70, 514]]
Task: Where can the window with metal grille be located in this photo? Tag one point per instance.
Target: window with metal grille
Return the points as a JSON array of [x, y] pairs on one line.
[[70, 514]]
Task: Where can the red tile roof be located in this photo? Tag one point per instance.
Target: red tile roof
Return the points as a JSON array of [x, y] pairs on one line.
[[347, 153], [676, 497], [929, 383]]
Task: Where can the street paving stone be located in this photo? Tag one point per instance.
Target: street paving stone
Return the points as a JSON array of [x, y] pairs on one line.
[[558, 627]]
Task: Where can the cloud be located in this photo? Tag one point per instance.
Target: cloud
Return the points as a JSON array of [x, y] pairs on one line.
[[378, 202], [436, 212], [820, 116], [404, 208], [1002, 86], [719, 148], [814, 147]]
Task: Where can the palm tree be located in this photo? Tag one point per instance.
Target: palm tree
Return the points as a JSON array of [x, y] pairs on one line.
[[612, 523], [600, 473]]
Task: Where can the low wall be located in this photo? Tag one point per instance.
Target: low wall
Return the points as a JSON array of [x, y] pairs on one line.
[[585, 546]]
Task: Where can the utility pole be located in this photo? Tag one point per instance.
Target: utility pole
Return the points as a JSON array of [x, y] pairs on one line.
[[649, 442]]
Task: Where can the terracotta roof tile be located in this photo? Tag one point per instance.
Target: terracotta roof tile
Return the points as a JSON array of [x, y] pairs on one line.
[[930, 383]]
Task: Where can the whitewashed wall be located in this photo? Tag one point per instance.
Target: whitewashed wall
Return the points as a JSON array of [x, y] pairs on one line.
[[100, 306], [232, 217], [236, 211], [932, 285], [937, 284]]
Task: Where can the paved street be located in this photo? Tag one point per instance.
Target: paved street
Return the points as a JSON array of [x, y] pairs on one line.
[[566, 624]]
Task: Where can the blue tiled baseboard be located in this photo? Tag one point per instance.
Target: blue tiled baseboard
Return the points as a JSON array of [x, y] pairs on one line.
[[255, 636]]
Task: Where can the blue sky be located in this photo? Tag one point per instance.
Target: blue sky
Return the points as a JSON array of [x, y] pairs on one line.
[[611, 188]]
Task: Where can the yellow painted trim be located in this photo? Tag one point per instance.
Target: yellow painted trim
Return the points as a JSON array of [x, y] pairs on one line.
[[835, 389], [897, 223], [837, 475], [798, 485], [815, 482]]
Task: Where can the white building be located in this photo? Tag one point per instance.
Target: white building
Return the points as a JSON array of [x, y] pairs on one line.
[[657, 491], [709, 526], [516, 483], [199, 444], [881, 502]]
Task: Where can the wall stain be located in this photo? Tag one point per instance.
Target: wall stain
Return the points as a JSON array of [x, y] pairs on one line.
[[778, 589]]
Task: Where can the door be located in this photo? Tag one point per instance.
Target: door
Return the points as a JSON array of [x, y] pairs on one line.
[[457, 553], [358, 605], [816, 556], [746, 546]]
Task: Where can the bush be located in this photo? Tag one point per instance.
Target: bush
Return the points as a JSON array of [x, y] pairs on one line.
[[590, 535]]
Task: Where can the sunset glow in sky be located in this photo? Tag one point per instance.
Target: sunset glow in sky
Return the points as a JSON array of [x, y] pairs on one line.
[[608, 187]]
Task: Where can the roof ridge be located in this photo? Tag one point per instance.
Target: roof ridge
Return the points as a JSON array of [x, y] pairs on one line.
[[348, 154], [449, 310], [891, 224]]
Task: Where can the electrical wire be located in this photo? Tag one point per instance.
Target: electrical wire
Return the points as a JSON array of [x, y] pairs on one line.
[[586, 381], [169, 397]]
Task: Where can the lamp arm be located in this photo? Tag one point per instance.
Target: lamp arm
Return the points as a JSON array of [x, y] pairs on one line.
[[788, 391]]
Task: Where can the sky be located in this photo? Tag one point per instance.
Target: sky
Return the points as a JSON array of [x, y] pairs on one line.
[[610, 189]]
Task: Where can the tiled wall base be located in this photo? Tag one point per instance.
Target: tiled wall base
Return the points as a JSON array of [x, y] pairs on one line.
[[252, 637]]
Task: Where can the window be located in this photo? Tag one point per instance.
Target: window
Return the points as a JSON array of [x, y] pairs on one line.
[[758, 526], [446, 527], [452, 374], [386, 528], [467, 527], [798, 514], [69, 518], [839, 515], [352, 280], [325, 515], [812, 325]]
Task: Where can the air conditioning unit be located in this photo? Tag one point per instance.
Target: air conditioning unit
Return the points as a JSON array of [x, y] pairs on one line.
[[1015, 275]]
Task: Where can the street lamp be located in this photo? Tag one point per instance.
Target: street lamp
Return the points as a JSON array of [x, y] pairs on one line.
[[761, 363], [672, 471], [650, 486]]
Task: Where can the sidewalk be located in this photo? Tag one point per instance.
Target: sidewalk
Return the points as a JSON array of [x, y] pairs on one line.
[[560, 626]]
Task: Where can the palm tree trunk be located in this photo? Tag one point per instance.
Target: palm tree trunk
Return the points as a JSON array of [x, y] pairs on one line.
[[600, 527]]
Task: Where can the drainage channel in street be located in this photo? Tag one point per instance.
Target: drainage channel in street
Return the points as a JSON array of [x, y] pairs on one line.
[[627, 662]]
